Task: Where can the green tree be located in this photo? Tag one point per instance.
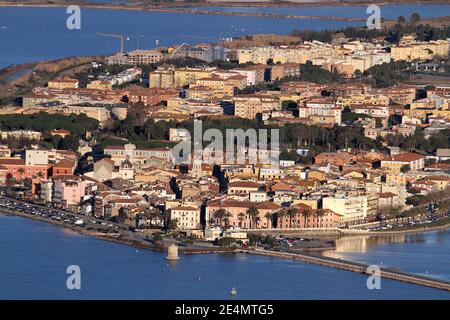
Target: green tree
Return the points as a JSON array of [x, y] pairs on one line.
[[69, 143], [219, 215], [241, 218], [306, 214], [292, 213], [405, 168], [415, 17], [253, 215]]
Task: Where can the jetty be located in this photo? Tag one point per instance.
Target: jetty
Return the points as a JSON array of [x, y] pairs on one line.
[[387, 273]]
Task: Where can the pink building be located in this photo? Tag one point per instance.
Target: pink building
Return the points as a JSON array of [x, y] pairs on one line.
[[68, 190], [18, 169], [238, 216]]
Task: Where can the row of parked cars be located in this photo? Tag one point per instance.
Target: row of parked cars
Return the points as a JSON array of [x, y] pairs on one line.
[[37, 211], [58, 215]]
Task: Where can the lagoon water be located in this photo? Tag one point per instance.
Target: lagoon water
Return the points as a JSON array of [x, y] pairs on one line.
[[426, 254], [34, 257], [34, 34]]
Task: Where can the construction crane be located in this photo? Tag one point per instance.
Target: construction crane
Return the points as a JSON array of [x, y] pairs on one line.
[[112, 35]]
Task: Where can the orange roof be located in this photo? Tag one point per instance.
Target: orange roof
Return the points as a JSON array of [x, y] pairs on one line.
[[406, 157], [280, 186], [12, 161], [438, 178], [385, 195], [243, 184]]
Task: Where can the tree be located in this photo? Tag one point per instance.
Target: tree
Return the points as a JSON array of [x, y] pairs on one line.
[[405, 168], [21, 171], [253, 214], [69, 143], [241, 217], [401, 19], [319, 214], [292, 213], [226, 219], [268, 217], [173, 224], [280, 217], [306, 213], [415, 17], [289, 105], [219, 215], [164, 216]]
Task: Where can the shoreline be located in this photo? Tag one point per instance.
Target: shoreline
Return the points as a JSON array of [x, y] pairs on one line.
[[341, 233], [307, 256], [106, 237], [195, 8], [225, 4]]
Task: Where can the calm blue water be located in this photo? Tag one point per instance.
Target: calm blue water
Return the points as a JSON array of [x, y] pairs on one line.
[[426, 254], [34, 34], [35, 255]]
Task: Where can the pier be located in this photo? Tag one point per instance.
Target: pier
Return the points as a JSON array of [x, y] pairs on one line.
[[387, 273]]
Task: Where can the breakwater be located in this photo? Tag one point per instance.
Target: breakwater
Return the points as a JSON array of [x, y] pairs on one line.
[[387, 273]]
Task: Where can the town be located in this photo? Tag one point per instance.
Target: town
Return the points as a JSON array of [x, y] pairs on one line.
[[361, 147]]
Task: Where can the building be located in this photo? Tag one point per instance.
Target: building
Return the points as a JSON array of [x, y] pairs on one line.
[[135, 57], [248, 106], [68, 190], [306, 217], [254, 74], [120, 153], [144, 57], [238, 217], [397, 162], [63, 83], [60, 132], [334, 158], [103, 170], [187, 217], [243, 187], [353, 209], [149, 97], [282, 70], [321, 111], [162, 77]]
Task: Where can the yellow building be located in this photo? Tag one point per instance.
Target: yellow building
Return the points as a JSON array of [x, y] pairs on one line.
[[186, 76], [63, 83], [100, 85], [161, 79], [395, 163], [420, 50], [248, 106]]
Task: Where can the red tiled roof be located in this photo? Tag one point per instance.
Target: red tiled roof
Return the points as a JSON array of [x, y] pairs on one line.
[[406, 157], [243, 184], [12, 161]]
